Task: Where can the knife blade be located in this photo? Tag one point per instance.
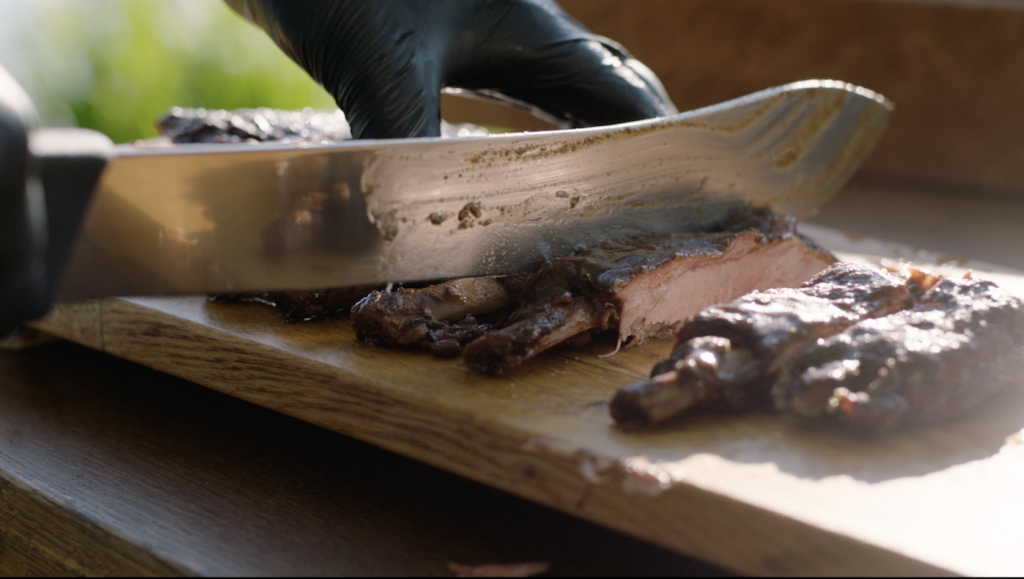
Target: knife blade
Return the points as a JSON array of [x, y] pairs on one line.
[[203, 218]]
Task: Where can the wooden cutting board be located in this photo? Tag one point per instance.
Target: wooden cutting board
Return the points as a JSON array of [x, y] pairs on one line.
[[753, 493]]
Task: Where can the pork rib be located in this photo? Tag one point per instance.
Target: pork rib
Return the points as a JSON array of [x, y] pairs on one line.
[[302, 305], [730, 356], [854, 344], [439, 318], [640, 288], [960, 343]]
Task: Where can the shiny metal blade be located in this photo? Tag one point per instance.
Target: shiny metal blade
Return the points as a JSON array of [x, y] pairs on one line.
[[222, 218]]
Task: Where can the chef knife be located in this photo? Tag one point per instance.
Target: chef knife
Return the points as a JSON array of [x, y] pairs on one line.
[[212, 218]]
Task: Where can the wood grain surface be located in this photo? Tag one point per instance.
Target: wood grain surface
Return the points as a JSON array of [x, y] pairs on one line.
[[108, 468], [752, 493]]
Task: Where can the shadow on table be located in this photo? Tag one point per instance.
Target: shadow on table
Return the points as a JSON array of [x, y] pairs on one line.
[[225, 487], [811, 450]]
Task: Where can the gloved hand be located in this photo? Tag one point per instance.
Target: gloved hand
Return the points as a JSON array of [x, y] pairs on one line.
[[385, 61]]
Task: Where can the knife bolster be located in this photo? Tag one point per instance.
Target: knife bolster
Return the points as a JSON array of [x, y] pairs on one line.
[[69, 162]]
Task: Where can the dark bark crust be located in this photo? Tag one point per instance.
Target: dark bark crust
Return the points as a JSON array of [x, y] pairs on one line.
[[568, 297], [854, 345]]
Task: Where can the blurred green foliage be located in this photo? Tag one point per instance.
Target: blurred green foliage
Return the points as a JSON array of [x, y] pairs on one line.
[[118, 65]]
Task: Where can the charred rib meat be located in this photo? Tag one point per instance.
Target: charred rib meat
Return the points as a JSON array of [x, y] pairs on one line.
[[183, 125], [730, 356], [959, 344], [854, 344], [302, 305], [439, 318], [639, 288]]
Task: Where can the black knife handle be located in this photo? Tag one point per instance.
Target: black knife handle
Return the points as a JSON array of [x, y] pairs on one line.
[[46, 179], [70, 163], [22, 227]]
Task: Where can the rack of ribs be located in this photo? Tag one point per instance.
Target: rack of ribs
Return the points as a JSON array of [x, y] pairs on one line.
[[641, 289], [302, 305], [854, 345], [185, 125]]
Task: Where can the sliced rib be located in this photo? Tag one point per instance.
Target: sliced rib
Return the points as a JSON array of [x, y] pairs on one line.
[[640, 288], [731, 356]]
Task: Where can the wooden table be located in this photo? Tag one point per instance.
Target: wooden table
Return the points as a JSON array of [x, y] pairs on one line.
[[109, 468]]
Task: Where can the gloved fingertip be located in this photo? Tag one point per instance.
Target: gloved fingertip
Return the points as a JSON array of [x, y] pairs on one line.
[[653, 84]]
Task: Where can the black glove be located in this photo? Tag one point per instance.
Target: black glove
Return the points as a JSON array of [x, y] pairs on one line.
[[385, 61]]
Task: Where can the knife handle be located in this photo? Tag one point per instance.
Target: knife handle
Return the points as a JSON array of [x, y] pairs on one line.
[[46, 179]]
